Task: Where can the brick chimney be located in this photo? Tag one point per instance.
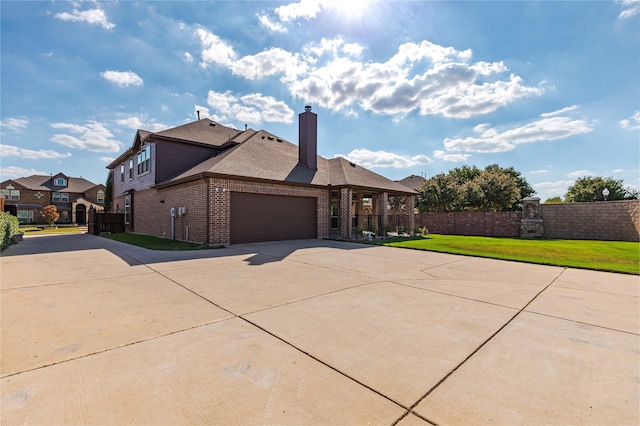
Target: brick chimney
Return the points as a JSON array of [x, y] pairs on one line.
[[308, 139]]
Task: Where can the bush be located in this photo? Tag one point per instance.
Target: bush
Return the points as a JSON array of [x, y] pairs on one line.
[[9, 227]]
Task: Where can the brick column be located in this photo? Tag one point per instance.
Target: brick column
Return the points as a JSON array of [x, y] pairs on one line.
[[409, 210], [220, 214], [345, 213], [383, 209]]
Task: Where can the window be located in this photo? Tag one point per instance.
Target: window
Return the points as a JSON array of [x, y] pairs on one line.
[[100, 197], [38, 195], [144, 160], [122, 173], [60, 197], [11, 194], [127, 210], [60, 182], [131, 168]]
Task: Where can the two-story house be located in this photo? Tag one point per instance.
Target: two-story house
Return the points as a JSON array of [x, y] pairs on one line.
[[208, 183], [73, 197]]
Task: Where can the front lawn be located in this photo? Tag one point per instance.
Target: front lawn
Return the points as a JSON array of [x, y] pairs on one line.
[[609, 256], [155, 243], [35, 230]]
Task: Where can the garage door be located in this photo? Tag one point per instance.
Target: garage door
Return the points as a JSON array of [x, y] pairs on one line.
[[259, 217]]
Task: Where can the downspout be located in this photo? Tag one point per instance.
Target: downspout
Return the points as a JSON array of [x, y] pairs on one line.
[[208, 212]]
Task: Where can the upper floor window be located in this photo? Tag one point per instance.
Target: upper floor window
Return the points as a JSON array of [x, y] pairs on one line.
[[10, 194], [100, 197], [60, 182], [60, 197], [144, 160], [122, 173], [131, 168]]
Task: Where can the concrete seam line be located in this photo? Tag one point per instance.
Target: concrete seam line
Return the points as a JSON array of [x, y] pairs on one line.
[[584, 323], [483, 344], [325, 363]]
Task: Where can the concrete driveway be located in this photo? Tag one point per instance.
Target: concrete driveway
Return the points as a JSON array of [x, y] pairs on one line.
[[310, 332]]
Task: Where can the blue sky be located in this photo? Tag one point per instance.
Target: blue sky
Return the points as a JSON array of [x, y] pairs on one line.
[[417, 87]]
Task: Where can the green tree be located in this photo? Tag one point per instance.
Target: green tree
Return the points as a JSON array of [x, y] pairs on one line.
[[524, 189], [108, 192], [438, 194], [553, 200], [587, 189], [468, 188]]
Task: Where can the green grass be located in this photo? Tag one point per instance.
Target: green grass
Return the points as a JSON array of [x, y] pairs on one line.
[[156, 243], [610, 256], [33, 230]]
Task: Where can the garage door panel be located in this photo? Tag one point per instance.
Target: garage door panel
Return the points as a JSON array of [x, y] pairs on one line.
[[261, 217]]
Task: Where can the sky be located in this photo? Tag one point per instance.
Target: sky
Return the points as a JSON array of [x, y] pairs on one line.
[[551, 88]]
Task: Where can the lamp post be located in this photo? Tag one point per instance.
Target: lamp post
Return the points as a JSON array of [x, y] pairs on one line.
[[605, 192]]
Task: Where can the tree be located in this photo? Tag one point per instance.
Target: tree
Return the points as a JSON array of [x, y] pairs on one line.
[[524, 189], [553, 200], [588, 189], [108, 192], [51, 214], [468, 188]]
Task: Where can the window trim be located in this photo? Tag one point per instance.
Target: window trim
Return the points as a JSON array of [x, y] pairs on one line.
[[144, 160], [100, 197], [127, 210], [122, 173], [62, 197], [60, 181]]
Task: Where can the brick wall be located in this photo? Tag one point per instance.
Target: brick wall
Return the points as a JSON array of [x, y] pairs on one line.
[[608, 220], [488, 224], [152, 217]]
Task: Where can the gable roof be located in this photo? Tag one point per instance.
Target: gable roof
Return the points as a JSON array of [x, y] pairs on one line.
[[204, 131], [44, 183]]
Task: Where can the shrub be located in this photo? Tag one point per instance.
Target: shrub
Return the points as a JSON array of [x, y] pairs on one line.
[[9, 227]]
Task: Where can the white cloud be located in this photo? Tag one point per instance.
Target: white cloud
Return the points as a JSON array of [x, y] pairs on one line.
[[107, 160], [631, 8], [537, 172], [491, 140], [92, 137], [383, 159], [188, 57], [141, 122], [14, 123], [422, 77], [580, 173], [91, 16], [29, 154], [214, 50], [251, 108], [560, 111], [306, 9], [122, 78], [266, 63], [16, 172], [266, 22], [631, 123], [453, 158], [552, 189]]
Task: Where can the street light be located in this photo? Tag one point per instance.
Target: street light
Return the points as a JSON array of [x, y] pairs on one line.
[[605, 192]]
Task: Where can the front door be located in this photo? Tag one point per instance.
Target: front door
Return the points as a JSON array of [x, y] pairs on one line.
[[81, 214]]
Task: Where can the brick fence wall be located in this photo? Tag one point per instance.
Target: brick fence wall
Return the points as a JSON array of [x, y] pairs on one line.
[[605, 220], [488, 224]]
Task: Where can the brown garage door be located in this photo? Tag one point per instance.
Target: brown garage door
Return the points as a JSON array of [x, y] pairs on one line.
[[259, 217]]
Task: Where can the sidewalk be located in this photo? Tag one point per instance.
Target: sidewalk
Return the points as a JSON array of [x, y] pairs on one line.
[[310, 332]]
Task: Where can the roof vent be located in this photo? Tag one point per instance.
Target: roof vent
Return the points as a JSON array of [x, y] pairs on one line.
[[212, 124], [307, 108], [262, 136], [279, 140], [352, 165], [270, 138]]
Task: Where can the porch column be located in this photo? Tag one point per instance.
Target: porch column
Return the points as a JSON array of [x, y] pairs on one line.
[[383, 208], [345, 213], [410, 210]]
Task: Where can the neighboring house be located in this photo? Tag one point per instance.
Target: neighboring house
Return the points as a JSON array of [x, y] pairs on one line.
[[208, 183], [74, 197], [412, 181]]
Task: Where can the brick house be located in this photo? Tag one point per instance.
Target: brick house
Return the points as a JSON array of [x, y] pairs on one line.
[[26, 196], [205, 182]]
